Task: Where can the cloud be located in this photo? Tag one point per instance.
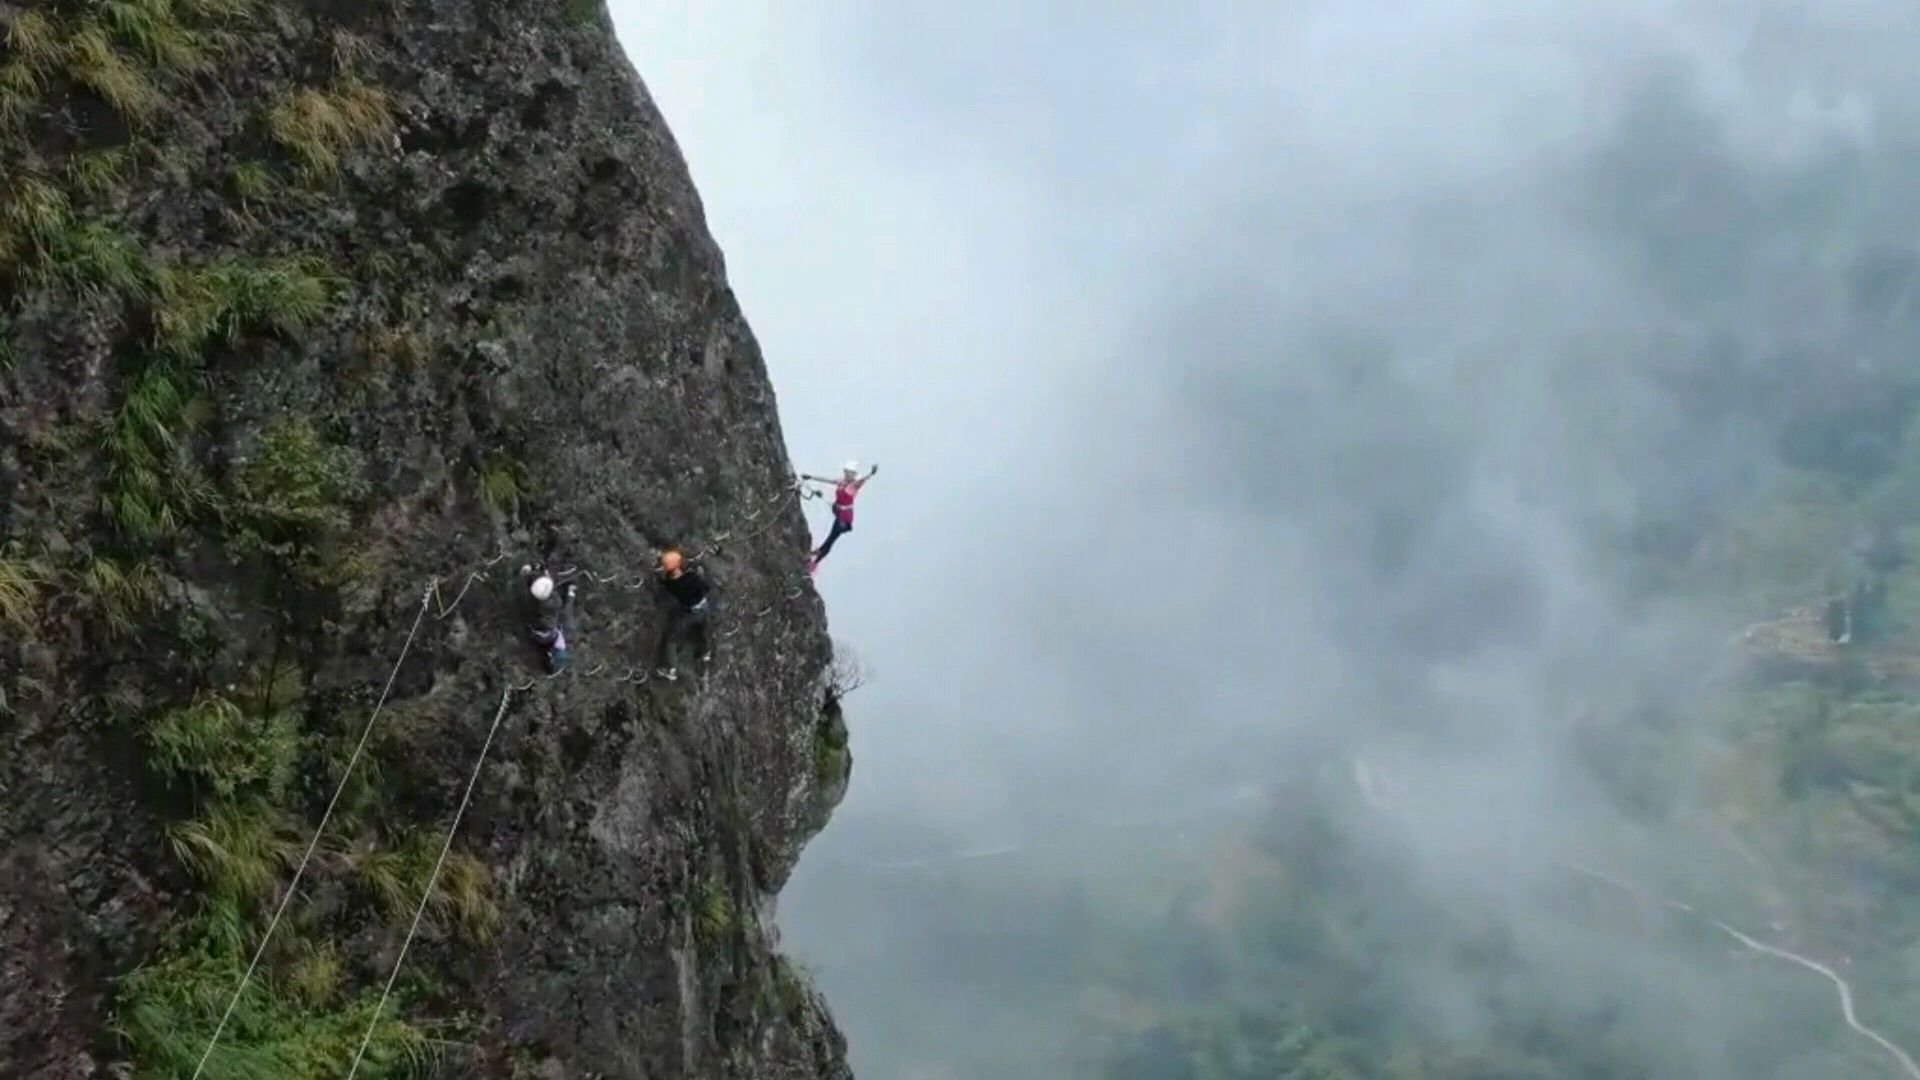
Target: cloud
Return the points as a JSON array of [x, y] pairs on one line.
[[1259, 382]]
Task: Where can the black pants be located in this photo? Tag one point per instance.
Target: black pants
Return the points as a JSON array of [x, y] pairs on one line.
[[839, 527], [682, 623]]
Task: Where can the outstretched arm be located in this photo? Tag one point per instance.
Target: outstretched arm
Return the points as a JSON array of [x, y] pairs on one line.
[[862, 482]]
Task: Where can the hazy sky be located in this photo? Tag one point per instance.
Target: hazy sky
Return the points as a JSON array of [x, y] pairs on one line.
[[1218, 358]]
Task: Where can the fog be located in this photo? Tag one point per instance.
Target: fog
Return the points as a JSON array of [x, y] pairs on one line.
[[1257, 389]]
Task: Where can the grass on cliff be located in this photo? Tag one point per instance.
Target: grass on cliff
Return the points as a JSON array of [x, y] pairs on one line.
[[200, 306], [95, 63], [715, 914], [20, 582], [317, 126], [462, 895], [240, 850], [298, 1019], [290, 1028], [213, 742], [502, 482], [120, 596]]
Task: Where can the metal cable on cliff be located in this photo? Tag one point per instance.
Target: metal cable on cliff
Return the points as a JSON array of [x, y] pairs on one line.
[[293, 885], [429, 597], [426, 894]]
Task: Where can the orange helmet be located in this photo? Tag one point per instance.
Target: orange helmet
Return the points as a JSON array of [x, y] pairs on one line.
[[670, 561]]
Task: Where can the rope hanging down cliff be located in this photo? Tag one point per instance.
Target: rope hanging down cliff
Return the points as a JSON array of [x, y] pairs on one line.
[[428, 597], [300, 870], [433, 879]]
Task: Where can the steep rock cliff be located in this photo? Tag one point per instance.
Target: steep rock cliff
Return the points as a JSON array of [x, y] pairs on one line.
[[317, 319]]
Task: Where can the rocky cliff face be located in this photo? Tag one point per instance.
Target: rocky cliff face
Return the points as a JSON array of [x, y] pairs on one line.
[[309, 310]]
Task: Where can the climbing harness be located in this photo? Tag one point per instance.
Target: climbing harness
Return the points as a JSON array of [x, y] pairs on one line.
[[430, 597]]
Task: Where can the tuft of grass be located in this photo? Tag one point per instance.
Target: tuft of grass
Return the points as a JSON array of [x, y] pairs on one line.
[[119, 596], [238, 850], [213, 741], [99, 172], [20, 87], [32, 39], [715, 913], [252, 182], [462, 896], [195, 307], [502, 482], [350, 50], [33, 213], [94, 63], [165, 1012], [295, 482], [830, 763], [97, 260], [20, 583], [584, 12], [217, 10], [154, 488], [317, 126], [288, 296], [315, 975], [151, 28], [385, 346]]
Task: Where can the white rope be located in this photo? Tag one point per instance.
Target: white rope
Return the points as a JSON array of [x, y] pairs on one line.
[[427, 598], [432, 879], [300, 870]]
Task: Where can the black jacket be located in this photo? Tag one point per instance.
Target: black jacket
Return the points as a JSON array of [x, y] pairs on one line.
[[689, 589]]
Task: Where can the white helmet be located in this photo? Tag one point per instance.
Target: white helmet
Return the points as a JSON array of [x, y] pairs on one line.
[[852, 466], [542, 587]]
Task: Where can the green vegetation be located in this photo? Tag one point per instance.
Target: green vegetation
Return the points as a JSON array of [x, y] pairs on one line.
[[240, 750], [461, 896], [120, 596], [297, 1018], [831, 764], [384, 346], [502, 482], [584, 12], [151, 29], [277, 1032], [156, 487], [20, 582], [317, 126], [95, 63], [214, 743], [239, 850], [350, 51], [251, 182], [203, 306], [715, 916], [99, 172]]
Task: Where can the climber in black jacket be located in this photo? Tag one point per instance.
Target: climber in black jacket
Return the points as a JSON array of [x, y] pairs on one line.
[[693, 605], [548, 613]]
